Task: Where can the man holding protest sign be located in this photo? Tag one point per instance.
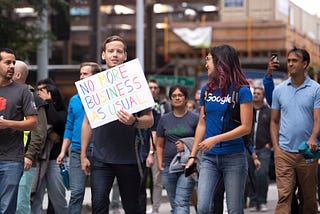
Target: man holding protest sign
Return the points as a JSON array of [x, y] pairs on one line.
[[114, 153]]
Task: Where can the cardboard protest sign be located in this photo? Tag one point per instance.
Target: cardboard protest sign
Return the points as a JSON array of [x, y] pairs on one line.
[[121, 87]]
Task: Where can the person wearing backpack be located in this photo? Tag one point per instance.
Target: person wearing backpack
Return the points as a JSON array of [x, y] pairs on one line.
[[220, 139]]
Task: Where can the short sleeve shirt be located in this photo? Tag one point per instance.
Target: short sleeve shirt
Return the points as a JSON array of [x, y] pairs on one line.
[[296, 106], [16, 102], [215, 108]]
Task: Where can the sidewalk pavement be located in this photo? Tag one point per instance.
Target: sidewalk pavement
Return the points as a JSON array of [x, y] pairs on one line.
[[165, 205]]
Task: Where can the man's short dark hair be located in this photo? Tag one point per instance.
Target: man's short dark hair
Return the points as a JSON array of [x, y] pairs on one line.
[[182, 88], [7, 50], [153, 81], [305, 55]]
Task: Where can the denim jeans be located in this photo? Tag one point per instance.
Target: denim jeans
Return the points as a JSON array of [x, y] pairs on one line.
[[179, 190], [156, 186], [234, 169], [77, 180], [53, 181], [102, 177], [260, 177], [10, 174], [115, 197], [25, 185]]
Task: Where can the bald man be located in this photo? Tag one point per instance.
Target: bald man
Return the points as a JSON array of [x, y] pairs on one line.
[[33, 142]]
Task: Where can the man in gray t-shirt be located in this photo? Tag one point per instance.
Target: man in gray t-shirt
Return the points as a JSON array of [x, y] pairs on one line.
[[17, 113]]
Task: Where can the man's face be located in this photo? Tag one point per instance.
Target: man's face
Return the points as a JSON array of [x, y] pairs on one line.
[[296, 65], [258, 95], [114, 54], [85, 71], [7, 65], [154, 88]]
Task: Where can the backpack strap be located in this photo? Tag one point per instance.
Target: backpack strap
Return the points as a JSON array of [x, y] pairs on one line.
[[204, 97]]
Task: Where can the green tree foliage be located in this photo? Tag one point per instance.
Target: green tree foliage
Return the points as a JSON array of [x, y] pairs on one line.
[[22, 34]]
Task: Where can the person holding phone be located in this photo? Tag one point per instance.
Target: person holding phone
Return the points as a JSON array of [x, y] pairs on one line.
[[295, 116], [267, 80], [177, 124]]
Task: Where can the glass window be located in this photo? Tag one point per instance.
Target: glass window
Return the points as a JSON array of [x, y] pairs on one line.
[[233, 3]]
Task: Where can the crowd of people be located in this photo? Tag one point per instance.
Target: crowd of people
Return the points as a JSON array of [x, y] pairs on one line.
[[226, 135]]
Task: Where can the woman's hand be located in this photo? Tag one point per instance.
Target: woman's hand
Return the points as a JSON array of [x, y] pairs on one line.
[[160, 167], [257, 163], [189, 162], [54, 137], [207, 144], [44, 94]]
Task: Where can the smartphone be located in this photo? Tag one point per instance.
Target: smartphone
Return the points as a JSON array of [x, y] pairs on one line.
[[190, 170], [274, 57]]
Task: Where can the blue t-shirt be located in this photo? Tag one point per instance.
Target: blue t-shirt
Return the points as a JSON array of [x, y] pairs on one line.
[[296, 106], [215, 108], [173, 128]]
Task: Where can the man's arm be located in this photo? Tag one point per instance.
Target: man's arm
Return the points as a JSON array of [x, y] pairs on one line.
[[274, 128], [312, 141], [29, 124], [144, 121], [65, 146], [160, 148], [86, 133], [150, 160], [268, 83]]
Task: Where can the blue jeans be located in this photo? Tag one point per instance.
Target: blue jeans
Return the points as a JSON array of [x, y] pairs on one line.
[[10, 174], [77, 180], [179, 190], [260, 177], [102, 177], [25, 185], [234, 169], [53, 181]]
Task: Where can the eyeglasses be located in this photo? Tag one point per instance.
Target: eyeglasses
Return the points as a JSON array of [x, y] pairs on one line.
[[174, 96]]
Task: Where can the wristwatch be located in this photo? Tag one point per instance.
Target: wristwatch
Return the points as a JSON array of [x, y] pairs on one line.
[[151, 152], [136, 122]]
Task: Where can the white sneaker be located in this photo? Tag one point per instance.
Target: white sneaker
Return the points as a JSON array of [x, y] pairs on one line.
[[151, 211], [263, 208], [254, 209]]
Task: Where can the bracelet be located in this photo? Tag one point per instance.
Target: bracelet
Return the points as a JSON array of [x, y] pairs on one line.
[[194, 157]]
